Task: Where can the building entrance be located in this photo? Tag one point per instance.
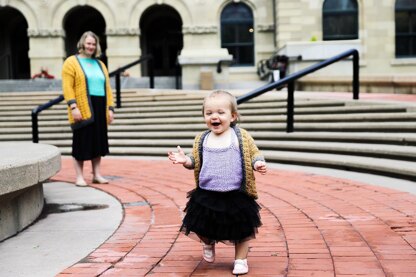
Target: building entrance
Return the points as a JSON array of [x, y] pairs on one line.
[[14, 45], [82, 19], [161, 36]]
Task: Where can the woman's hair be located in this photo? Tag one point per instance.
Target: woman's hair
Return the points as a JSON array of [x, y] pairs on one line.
[[231, 98], [81, 42]]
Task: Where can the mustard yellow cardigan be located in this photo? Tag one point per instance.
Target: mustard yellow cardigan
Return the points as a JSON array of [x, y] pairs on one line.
[[75, 90], [248, 151]]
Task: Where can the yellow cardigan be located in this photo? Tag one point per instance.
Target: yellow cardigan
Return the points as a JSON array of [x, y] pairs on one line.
[[248, 151], [74, 86]]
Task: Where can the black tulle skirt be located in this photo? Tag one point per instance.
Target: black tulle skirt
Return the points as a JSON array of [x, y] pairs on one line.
[[91, 141], [228, 217]]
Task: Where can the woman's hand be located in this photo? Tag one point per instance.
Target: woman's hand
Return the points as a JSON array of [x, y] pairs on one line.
[[260, 167], [111, 116], [76, 114], [178, 157]]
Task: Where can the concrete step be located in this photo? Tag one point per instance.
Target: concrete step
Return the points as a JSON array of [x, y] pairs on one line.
[[30, 85], [398, 152], [390, 127], [386, 167], [405, 139], [195, 117], [338, 133], [302, 111], [405, 153]]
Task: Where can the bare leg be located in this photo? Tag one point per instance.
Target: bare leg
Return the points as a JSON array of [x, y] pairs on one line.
[[208, 249], [241, 250], [97, 177], [240, 263], [79, 166]]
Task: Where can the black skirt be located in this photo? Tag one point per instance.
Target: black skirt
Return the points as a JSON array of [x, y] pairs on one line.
[[229, 217], [91, 141]]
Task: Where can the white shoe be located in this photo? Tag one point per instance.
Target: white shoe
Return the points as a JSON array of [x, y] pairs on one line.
[[208, 252], [81, 183], [240, 267]]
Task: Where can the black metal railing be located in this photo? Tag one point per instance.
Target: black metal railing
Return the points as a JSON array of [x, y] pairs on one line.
[[36, 111], [178, 72], [290, 82], [117, 73]]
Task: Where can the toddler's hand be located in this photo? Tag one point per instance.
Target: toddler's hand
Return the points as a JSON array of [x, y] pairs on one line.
[[177, 157], [260, 167]]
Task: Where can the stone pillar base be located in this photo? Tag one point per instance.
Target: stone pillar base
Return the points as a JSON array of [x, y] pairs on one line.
[[196, 63]]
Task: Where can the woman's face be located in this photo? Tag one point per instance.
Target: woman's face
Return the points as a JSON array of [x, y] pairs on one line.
[[90, 45]]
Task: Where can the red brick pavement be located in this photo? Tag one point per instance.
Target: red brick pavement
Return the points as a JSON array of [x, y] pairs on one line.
[[312, 226]]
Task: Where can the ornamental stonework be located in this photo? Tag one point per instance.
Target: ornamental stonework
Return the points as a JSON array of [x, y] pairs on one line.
[[4, 2], [122, 32], [39, 33], [199, 29]]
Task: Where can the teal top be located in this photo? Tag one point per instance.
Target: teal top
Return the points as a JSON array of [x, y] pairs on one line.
[[95, 76]]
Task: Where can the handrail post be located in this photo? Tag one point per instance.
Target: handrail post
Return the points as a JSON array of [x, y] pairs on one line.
[[290, 106], [177, 75], [151, 72], [118, 90], [35, 132], [355, 75]]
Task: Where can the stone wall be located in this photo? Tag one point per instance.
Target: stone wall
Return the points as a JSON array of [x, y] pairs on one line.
[[296, 21], [23, 168]]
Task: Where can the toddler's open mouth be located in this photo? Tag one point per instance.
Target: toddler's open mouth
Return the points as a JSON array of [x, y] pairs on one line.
[[216, 124]]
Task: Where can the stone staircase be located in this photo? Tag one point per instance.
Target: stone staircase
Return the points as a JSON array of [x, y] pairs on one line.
[[41, 85], [364, 136]]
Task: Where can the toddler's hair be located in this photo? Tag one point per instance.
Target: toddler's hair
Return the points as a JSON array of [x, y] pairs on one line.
[[231, 98], [80, 44]]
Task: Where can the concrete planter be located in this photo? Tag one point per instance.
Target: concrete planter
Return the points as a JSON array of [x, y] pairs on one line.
[[23, 168]]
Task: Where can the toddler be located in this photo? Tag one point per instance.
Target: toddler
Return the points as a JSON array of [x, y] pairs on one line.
[[222, 207]]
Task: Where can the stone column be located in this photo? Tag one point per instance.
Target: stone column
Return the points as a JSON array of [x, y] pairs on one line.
[[47, 50], [123, 47], [201, 54]]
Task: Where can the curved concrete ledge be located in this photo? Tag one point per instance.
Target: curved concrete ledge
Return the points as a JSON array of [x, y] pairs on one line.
[[23, 168]]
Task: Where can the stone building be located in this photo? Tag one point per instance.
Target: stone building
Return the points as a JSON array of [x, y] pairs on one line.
[[198, 34]]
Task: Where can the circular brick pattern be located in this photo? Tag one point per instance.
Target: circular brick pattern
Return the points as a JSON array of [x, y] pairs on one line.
[[313, 225]]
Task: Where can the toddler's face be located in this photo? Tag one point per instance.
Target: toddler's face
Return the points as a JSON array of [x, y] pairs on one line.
[[218, 115]]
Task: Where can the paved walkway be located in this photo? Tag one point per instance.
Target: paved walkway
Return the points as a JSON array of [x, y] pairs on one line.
[[74, 223], [312, 226]]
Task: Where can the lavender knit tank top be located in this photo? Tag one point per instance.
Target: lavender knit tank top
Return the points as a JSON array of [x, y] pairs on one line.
[[221, 168]]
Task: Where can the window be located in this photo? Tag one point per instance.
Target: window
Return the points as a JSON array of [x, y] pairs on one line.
[[405, 28], [237, 33], [340, 20]]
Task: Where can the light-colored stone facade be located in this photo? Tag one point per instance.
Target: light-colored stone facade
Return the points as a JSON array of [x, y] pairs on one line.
[[280, 26], [298, 22]]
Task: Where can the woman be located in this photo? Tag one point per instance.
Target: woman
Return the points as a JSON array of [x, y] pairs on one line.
[[87, 91]]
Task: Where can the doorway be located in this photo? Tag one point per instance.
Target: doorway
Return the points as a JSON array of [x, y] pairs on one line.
[[14, 45], [161, 36], [79, 20]]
